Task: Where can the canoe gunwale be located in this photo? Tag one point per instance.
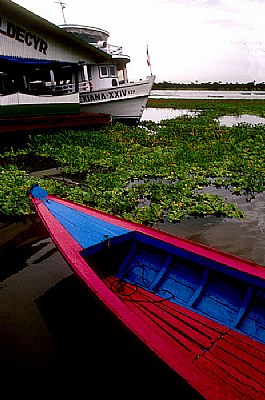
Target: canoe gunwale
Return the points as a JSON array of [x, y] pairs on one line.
[[226, 259], [200, 369]]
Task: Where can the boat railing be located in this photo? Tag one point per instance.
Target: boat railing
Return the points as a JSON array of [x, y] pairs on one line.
[[115, 50], [67, 88], [108, 48], [48, 89]]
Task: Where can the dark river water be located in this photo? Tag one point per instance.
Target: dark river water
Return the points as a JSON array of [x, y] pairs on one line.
[[56, 339], [55, 336]]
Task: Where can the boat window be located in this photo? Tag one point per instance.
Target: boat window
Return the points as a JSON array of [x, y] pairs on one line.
[[107, 71], [113, 71], [103, 71]]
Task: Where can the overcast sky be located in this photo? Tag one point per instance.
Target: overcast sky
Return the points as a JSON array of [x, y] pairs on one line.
[[188, 40]]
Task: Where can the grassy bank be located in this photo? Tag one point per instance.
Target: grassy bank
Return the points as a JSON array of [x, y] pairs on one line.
[[145, 173]]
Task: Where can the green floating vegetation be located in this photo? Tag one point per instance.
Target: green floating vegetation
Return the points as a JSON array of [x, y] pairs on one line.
[[213, 107], [149, 173]]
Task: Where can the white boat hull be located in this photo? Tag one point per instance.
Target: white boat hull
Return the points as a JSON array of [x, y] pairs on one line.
[[125, 102]]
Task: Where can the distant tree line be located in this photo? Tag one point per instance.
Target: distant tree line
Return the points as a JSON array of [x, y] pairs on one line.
[[209, 86]]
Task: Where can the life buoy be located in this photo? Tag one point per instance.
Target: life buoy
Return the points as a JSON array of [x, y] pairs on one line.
[[90, 86]]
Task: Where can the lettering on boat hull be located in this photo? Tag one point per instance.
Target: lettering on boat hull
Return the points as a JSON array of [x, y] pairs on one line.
[[106, 95], [124, 103]]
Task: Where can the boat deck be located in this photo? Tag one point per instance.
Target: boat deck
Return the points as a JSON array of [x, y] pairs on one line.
[[231, 360], [52, 122]]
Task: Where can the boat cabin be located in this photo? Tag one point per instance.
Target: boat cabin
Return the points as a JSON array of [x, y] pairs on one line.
[[43, 67], [108, 74]]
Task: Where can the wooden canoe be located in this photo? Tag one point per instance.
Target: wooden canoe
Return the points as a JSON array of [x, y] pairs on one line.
[[202, 311]]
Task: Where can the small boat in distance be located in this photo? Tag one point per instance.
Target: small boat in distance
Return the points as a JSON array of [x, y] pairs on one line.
[[202, 311], [105, 87]]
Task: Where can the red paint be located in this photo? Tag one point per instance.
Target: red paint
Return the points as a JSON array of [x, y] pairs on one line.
[[33, 123], [218, 363], [230, 260]]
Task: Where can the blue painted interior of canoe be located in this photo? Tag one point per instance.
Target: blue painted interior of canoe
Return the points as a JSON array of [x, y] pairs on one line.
[[226, 299], [220, 293], [85, 229]]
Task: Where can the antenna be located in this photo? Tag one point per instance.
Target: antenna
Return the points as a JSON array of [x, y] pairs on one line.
[[63, 6]]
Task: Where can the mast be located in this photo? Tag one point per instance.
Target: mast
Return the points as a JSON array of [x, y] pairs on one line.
[[63, 6]]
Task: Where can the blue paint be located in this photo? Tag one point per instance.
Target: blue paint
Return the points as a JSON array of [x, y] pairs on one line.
[[37, 192], [253, 323], [200, 290], [85, 229], [161, 275], [214, 294], [212, 289]]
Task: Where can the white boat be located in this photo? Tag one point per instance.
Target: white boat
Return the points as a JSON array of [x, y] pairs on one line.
[[38, 65], [125, 103], [105, 87], [49, 70]]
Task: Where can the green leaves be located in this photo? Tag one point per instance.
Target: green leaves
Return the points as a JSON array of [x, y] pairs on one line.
[[14, 184], [147, 173]]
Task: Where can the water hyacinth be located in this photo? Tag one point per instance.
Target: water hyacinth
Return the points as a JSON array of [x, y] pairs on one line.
[[147, 173]]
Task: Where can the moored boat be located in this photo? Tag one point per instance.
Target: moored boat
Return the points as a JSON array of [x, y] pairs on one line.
[[51, 70], [39, 65], [105, 87], [125, 103], [202, 311]]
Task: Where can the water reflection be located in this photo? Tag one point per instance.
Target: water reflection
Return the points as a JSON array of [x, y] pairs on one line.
[[206, 94], [243, 238], [56, 337], [244, 118], [157, 114]]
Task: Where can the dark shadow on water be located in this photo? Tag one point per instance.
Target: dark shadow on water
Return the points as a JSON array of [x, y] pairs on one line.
[[16, 244], [98, 354]]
